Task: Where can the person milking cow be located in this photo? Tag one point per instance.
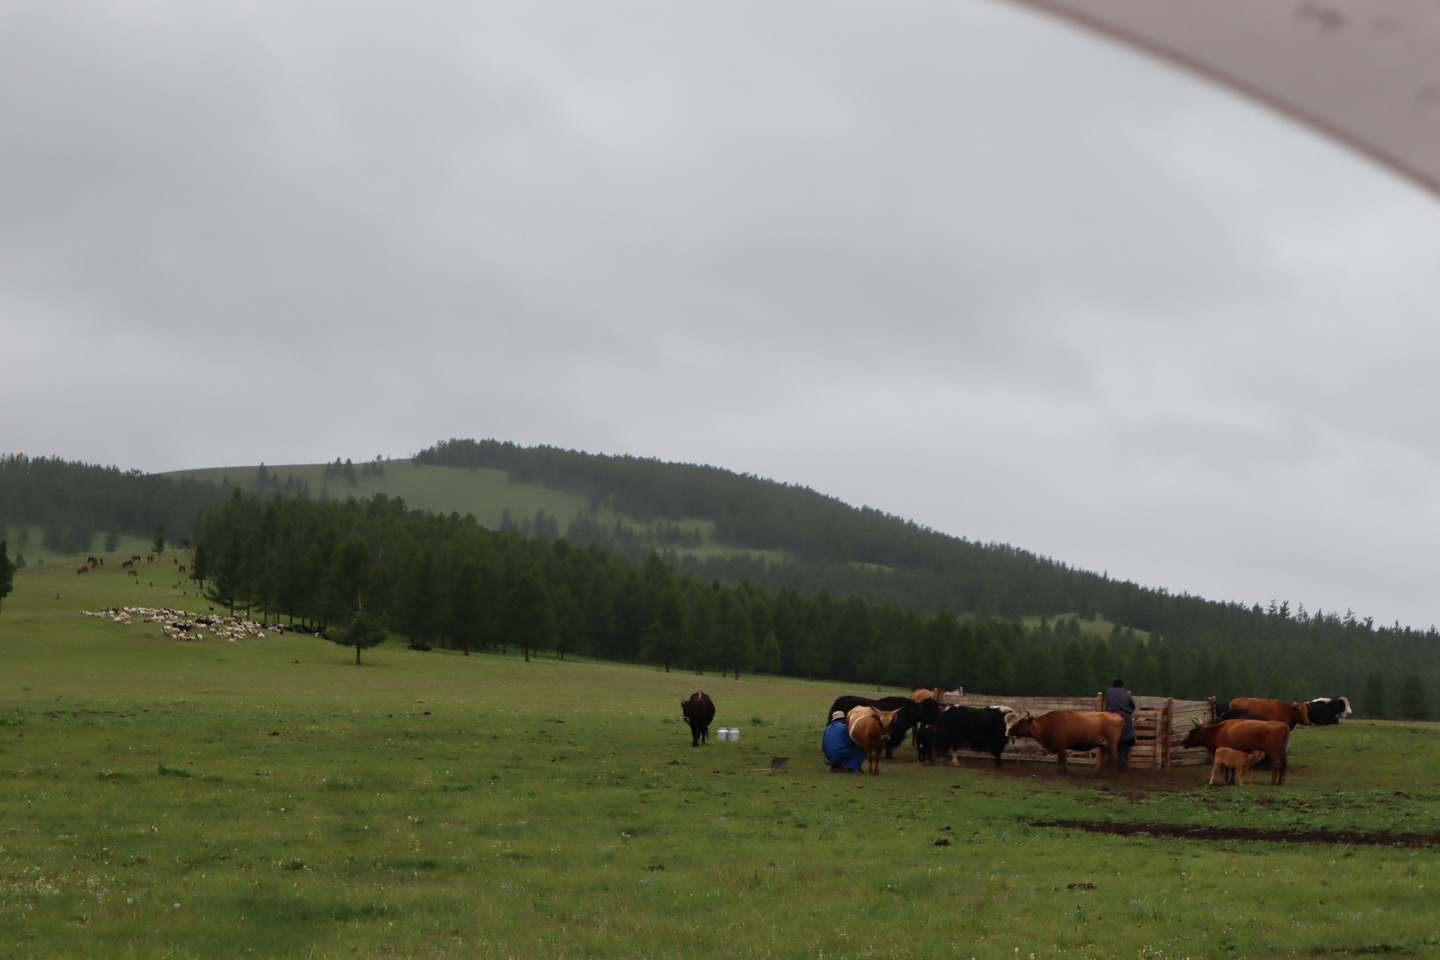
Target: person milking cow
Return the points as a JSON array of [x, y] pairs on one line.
[[842, 755], [1118, 700]]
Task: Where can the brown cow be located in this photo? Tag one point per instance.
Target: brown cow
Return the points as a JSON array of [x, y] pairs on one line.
[[923, 694], [82, 569], [134, 572], [870, 728], [1271, 736], [1060, 731], [1292, 714], [1232, 765]]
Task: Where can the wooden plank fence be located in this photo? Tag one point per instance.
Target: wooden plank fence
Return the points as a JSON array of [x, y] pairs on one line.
[[1160, 725]]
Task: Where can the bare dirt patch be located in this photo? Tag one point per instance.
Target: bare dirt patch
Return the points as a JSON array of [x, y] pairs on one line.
[[1350, 837]]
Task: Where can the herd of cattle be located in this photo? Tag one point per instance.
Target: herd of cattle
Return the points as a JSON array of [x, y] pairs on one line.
[[1251, 730]]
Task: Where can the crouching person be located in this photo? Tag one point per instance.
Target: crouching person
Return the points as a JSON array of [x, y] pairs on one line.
[[842, 755]]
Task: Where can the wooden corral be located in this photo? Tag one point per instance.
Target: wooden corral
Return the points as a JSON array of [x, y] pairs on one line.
[[1160, 725]]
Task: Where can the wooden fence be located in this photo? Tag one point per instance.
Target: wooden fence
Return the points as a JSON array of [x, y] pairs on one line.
[[1160, 725]]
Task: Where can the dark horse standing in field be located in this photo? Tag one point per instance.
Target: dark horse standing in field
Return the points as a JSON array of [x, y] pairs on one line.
[[698, 711]]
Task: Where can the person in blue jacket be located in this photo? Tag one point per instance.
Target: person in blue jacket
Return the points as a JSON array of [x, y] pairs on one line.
[[842, 755], [1118, 700]]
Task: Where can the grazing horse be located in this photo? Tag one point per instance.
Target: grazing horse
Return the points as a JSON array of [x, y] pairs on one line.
[[698, 711], [870, 728]]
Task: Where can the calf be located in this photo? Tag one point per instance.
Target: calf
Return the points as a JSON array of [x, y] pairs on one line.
[[1270, 736], [1232, 765]]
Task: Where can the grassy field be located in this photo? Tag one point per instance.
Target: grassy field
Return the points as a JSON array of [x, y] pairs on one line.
[[483, 492], [268, 798]]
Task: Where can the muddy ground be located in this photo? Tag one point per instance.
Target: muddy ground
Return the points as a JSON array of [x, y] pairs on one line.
[[1136, 785]]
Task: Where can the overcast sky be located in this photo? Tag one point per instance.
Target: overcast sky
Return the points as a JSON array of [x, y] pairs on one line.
[[952, 260]]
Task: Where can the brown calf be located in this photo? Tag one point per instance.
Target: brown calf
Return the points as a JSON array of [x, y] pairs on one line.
[[1232, 765]]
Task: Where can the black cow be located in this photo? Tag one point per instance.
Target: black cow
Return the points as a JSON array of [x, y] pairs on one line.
[[981, 729], [1325, 711], [698, 711], [924, 733], [907, 714]]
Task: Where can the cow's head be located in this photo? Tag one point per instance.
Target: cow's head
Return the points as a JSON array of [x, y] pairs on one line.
[[887, 720], [1195, 736], [1019, 724]]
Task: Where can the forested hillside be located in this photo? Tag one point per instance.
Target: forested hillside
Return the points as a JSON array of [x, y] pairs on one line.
[[734, 532], [77, 506], [1270, 650]]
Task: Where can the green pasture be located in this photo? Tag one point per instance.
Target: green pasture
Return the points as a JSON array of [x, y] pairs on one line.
[[35, 553], [268, 798], [485, 493], [1096, 628]]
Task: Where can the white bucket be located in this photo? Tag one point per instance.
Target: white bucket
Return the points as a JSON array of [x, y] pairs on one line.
[[732, 733], [723, 733]]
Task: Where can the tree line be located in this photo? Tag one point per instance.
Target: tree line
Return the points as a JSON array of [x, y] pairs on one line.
[[440, 580], [75, 504], [886, 560]]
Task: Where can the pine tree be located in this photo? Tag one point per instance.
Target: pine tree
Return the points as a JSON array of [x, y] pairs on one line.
[[7, 572], [529, 619], [365, 630], [1414, 701], [665, 638], [737, 640], [767, 659], [464, 606], [1374, 703], [422, 601]]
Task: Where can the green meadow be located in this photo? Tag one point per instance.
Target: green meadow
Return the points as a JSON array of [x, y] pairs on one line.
[[485, 493], [268, 798]]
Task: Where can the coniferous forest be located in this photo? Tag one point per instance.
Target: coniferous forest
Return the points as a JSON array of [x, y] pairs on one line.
[[861, 597]]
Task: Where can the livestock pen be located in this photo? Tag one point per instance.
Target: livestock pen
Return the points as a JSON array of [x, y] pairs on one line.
[[1160, 725]]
